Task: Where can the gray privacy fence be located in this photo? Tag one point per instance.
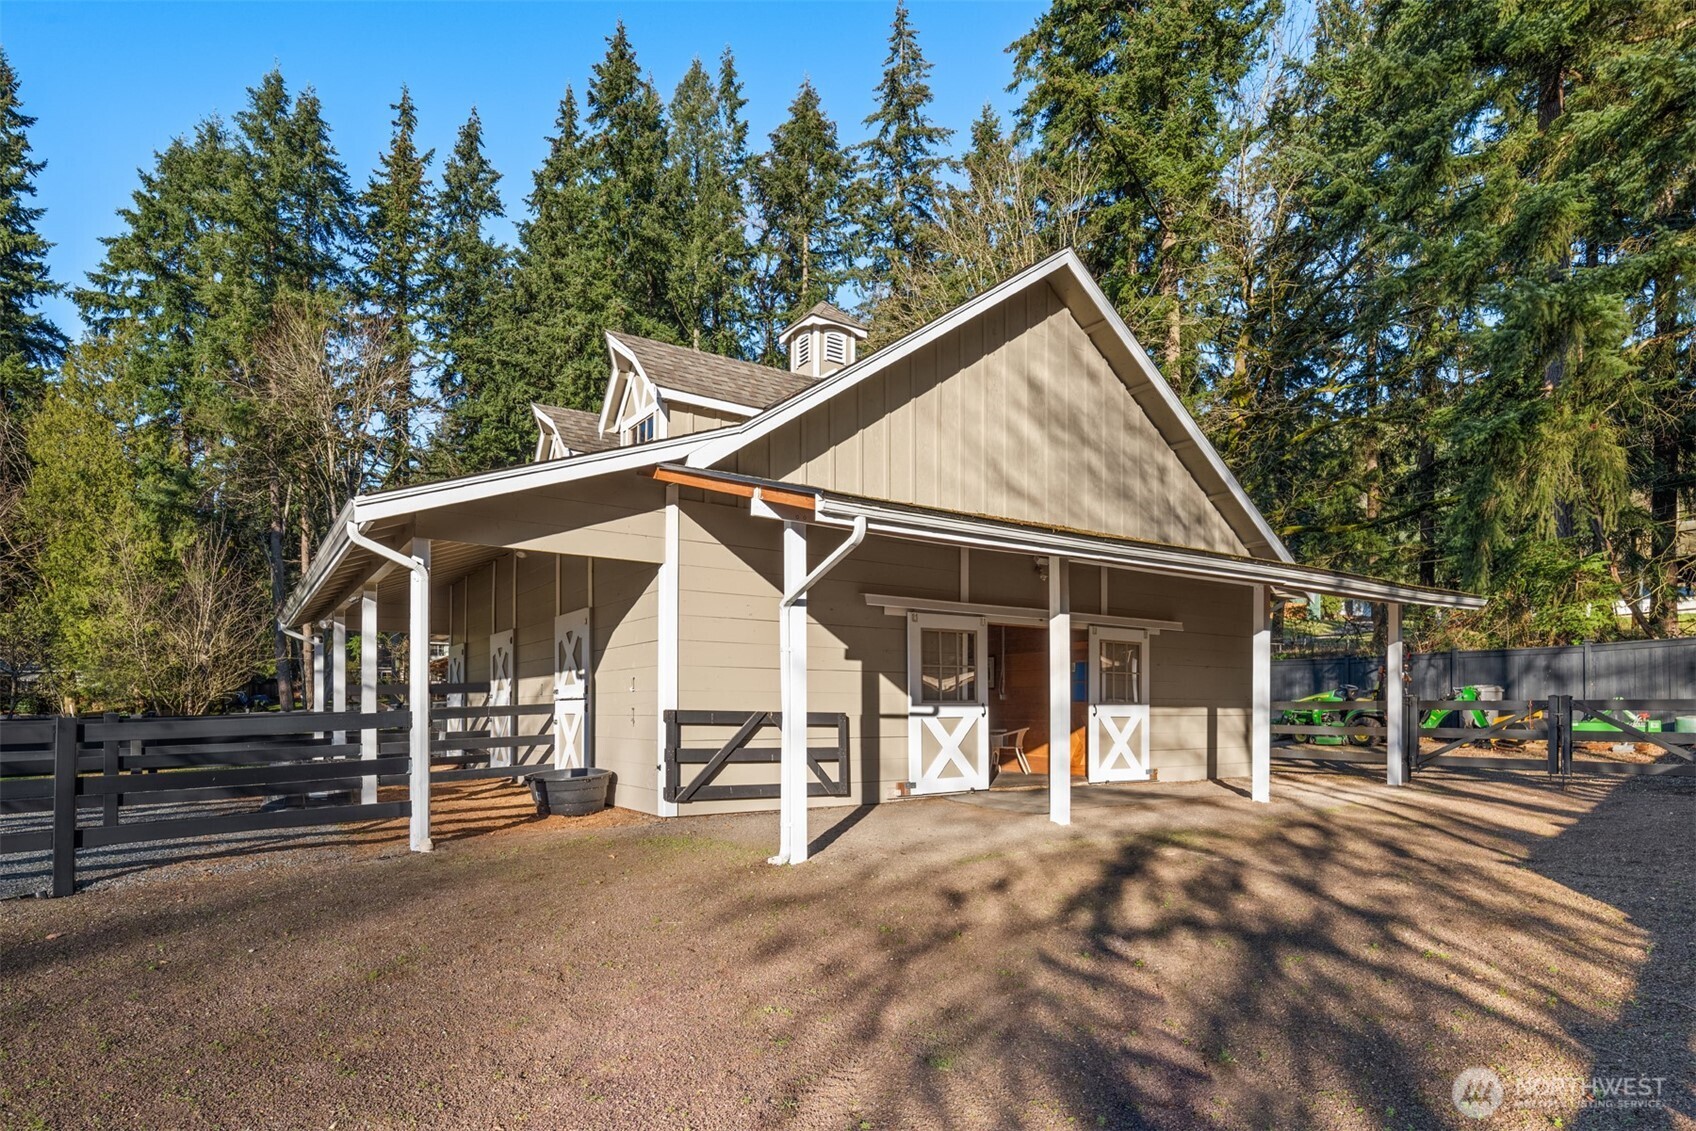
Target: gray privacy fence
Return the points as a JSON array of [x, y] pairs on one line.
[[1632, 669]]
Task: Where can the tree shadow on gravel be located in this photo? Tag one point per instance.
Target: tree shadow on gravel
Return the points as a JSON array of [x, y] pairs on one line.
[[1300, 968], [1631, 852]]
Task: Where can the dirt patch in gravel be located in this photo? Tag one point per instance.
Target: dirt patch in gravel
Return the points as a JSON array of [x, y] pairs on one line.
[[1177, 958]]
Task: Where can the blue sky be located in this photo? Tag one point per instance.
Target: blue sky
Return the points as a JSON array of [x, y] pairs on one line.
[[111, 83]]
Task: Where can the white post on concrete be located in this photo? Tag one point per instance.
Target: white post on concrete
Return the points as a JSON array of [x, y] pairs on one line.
[[667, 645], [368, 688], [1059, 692], [1260, 724], [418, 693], [792, 634], [1395, 701], [336, 669], [315, 634]]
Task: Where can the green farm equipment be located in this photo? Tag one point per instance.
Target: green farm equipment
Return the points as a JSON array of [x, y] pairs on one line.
[[1331, 709]]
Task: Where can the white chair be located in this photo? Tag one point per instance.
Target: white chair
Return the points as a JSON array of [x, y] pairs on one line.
[[1013, 740]]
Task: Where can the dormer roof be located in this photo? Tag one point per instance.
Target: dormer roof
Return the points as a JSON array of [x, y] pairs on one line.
[[824, 314]]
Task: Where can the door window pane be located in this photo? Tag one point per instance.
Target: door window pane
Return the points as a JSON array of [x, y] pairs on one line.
[[948, 666], [1121, 671]]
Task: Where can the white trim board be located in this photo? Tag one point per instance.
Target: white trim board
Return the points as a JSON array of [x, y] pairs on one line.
[[1010, 614]]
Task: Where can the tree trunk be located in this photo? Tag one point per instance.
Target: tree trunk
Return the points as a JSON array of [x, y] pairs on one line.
[[1666, 454], [1551, 103], [279, 593], [1172, 349]]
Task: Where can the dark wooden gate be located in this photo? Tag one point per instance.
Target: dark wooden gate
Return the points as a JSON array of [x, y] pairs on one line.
[[736, 750], [85, 773]]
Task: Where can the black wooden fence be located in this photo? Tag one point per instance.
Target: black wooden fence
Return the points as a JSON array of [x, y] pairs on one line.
[[736, 750], [1646, 669], [83, 774], [1545, 731]]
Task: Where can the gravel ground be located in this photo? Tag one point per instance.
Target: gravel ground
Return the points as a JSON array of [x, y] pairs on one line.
[[1177, 958]]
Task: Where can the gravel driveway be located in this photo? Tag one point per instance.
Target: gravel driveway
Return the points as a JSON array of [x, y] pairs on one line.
[[1177, 958]]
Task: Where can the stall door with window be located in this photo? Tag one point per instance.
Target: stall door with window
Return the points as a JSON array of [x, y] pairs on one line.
[[1118, 704], [571, 689], [948, 704], [501, 663]]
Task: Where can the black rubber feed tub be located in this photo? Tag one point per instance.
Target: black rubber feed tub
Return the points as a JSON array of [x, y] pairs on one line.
[[570, 792]]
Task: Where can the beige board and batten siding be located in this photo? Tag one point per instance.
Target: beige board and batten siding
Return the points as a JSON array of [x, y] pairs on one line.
[[729, 587], [685, 420], [1014, 414]]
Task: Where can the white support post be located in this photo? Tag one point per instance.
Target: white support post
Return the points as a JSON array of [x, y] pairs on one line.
[[1395, 701], [336, 669], [315, 641], [792, 633], [368, 689], [1260, 724], [665, 684], [418, 693], [1059, 692]]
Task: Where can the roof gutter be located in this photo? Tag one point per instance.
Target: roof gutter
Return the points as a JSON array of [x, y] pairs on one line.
[[990, 536]]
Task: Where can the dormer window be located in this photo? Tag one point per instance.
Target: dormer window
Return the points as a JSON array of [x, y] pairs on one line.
[[640, 432], [803, 352], [835, 348]]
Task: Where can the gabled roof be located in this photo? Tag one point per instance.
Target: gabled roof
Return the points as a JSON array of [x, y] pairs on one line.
[[825, 312], [1065, 272], [677, 369], [579, 431]]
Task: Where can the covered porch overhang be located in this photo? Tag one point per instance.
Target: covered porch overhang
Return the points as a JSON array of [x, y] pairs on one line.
[[799, 507]]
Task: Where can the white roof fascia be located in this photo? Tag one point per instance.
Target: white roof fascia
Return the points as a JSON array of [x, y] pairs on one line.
[[850, 376], [523, 477], [611, 404], [1064, 260], [1161, 387], [988, 535], [820, 320], [895, 605], [698, 401], [329, 559]]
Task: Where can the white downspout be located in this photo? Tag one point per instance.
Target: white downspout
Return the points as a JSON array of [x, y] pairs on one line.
[[418, 694], [792, 623]]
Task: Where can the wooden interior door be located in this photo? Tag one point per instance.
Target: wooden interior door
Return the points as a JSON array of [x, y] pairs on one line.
[[947, 703], [1118, 704]]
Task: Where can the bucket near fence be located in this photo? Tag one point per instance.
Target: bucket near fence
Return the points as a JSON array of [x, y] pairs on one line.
[[1684, 724], [571, 792]]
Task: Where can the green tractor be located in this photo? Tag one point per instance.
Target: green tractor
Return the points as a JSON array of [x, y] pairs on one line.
[[1331, 709]]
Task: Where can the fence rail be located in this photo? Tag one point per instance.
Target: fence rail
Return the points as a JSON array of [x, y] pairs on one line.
[[1556, 725], [65, 766], [735, 750]]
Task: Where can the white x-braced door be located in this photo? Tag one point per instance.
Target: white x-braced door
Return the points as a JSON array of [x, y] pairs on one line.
[[456, 674], [1118, 704], [571, 689], [948, 704], [501, 681]]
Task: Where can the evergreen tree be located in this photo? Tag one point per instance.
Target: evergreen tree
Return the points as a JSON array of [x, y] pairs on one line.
[[702, 187], [901, 179], [800, 192], [30, 344], [1141, 89], [396, 278], [549, 340], [628, 140], [468, 281]]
